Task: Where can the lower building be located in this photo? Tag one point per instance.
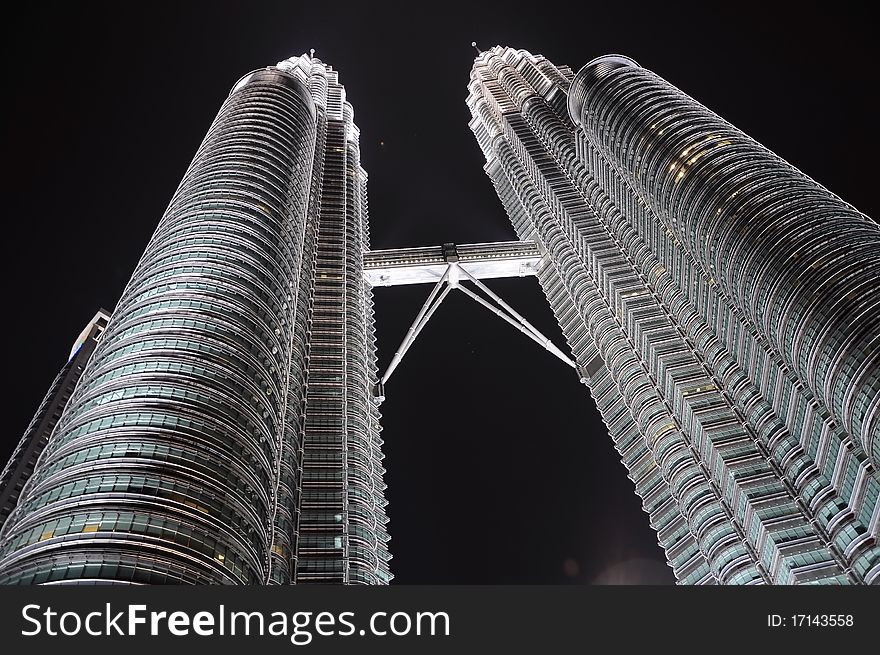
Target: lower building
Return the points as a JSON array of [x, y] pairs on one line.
[[24, 458]]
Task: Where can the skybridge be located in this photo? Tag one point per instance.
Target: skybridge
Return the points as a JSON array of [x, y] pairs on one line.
[[448, 267]]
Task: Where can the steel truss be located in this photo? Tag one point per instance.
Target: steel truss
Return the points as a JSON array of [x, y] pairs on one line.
[[453, 278]]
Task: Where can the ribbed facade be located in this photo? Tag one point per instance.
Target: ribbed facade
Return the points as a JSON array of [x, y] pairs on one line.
[[341, 522], [188, 452], [722, 306]]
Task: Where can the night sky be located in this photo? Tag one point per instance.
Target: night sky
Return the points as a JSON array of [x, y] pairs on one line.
[[499, 470]]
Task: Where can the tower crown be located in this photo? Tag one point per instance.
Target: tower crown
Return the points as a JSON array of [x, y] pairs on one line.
[[588, 75]]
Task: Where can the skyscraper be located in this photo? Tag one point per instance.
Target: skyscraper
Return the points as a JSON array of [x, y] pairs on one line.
[[21, 464], [722, 306], [224, 430]]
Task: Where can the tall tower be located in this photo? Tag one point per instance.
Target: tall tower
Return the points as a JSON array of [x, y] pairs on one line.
[[722, 308], [223, 431]]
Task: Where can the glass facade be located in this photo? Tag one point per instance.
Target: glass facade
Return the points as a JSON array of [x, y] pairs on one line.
[[720, 305], [191, 450]]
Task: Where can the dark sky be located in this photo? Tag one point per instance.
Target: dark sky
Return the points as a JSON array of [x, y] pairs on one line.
[[499, 470]]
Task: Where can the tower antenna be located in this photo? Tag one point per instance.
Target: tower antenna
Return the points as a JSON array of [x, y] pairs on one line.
[[474, 44], [312, 53]]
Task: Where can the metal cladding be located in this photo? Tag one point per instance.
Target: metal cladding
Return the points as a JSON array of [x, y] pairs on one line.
[[799, 263], [722, 306], [341, 520], [591, 73], [429, 263], [190, 451]]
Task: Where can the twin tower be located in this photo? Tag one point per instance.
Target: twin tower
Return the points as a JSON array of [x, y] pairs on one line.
[[721, 307]]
